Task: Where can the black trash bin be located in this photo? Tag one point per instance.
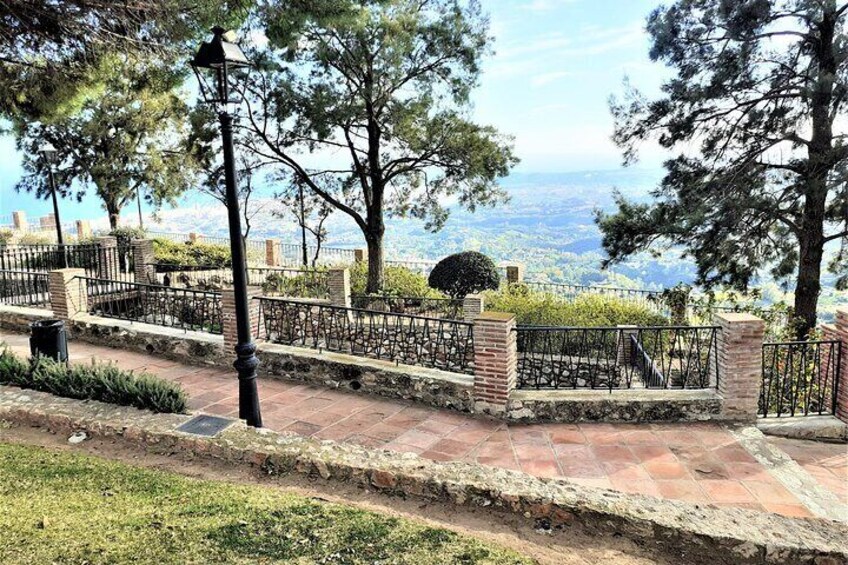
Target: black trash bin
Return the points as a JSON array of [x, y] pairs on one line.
[[49, 339]]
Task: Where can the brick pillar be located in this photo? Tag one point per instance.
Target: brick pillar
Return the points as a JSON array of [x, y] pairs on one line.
[[194, 238], [624, 347], [839, 332], [740, 364], [144, 262], [514, 273], [68, 294], [107, 257], [360, 255], [339, 282], [83, 229], [228, 316], [272, 253], [19, 220], [472, 306], [495, 360], [47, 221]]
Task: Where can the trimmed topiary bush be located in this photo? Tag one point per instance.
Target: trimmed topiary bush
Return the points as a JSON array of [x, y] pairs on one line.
[[106, 383], [465, 273]]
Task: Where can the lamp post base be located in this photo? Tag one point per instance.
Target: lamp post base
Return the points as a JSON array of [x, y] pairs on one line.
[[246, 364]]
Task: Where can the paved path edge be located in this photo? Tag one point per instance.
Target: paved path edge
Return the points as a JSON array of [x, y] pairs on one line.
[[725, 534]]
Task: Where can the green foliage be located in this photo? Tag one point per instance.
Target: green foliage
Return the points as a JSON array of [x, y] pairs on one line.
[[398, 281], [306, 284], [6, 236], [465, 273], [66, 507], [739, 96], [106, 383], [125, 234], [586, 310], [168, 252], [124, 140], [400, 70]]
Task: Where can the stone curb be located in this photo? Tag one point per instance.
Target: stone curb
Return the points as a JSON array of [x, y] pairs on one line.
[[723, 535]]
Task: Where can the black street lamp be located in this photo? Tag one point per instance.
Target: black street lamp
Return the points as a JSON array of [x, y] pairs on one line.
[[213, 64], [48, 152], [303, 226]]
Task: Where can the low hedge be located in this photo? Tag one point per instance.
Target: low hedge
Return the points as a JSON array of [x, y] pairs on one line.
[[98, 381], [586, 310], [397, 282], [191, 254]]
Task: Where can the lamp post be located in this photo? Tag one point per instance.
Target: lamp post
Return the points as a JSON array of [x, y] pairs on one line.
[[48, 152], [213, 64], [303, 226]]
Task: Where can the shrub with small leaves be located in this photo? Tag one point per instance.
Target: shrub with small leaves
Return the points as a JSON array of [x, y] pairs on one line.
[[465, 273], [98, 381]]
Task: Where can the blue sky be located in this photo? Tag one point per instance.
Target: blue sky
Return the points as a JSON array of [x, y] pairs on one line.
[[555, 65]]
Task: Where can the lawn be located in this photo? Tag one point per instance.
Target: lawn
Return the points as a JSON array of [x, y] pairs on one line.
[[61, 507]]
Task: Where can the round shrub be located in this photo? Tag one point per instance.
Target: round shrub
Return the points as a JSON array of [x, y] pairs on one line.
[[465, 273]]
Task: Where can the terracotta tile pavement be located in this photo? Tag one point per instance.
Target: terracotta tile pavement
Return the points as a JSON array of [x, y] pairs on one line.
[[698, 463]]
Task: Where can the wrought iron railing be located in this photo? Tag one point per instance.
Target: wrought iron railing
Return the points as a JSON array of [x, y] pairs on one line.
[[667, 357], [648, 298], [420, 266], [450, 308], [800, 378], [276, 281], [25, 288], [170, 236], [94, 259], [402, 338], [183, 308], [291, 255]]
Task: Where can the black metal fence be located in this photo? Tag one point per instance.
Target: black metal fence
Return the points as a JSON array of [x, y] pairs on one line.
[[648, 298], [291, 255], [664, 357], [96, 260], [276, 281], [183, 308], [800, 378], [402, 338], [449, 308], [25, 288]]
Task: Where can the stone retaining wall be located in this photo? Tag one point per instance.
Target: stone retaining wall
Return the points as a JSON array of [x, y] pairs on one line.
[[427, 386], [722, 535]]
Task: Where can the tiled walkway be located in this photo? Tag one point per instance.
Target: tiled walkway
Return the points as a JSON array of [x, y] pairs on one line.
[[699, 463]]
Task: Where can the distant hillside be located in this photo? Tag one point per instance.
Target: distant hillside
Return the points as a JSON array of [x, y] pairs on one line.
[[548, 225]]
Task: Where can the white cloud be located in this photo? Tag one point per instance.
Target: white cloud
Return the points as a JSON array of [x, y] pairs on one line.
[[545, 79], [547, 5]]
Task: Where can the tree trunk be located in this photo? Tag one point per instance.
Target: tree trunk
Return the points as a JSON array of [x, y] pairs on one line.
[[114, 212], [811, 251], [374, 239]]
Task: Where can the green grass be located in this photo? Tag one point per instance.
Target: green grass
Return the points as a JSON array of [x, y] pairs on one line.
[[60, 507]]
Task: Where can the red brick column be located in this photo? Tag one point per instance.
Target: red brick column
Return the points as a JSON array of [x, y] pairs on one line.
[[472, 306], [740, 364], [360, 255], [272, 253], [107, 257], [19, 220], [339, 283], [839, 332], [68, 294], [514, 273], [83, 229], [228, 316], [495, 360], [144, 262]]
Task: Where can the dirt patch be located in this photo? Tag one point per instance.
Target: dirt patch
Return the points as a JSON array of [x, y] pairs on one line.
[[564, 547]]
